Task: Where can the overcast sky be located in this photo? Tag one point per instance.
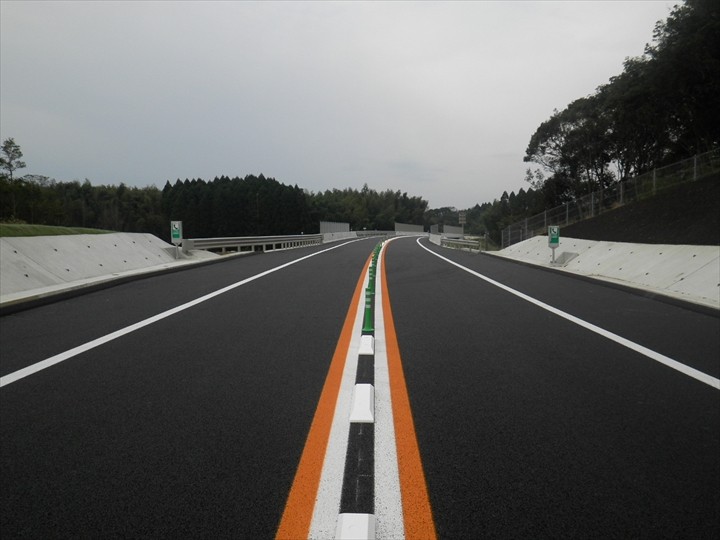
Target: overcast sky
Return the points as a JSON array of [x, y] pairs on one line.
[[438, 100]]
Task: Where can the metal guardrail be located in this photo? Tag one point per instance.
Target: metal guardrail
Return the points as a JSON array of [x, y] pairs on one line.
[[456, 243], [271, 243], [252, 243]]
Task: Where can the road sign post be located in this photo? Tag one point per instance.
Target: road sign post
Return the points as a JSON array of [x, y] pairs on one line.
[[176, 235], [553, 239]]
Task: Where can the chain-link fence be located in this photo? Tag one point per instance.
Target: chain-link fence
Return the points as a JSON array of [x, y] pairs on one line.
[[634, 189]]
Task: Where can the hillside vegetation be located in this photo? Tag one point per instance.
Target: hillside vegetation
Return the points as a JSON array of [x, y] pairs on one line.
[[687, 214], [663, 108], [24, 229]]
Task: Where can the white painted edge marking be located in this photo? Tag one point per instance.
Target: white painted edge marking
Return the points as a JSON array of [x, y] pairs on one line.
[[355, 527], [661, 358], [363, 404], [389, 519], [327, 500], [48, 362], [367, 344]]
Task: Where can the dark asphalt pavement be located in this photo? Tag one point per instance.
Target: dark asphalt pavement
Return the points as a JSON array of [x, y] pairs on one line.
[[529, 426], [191, 427], [532, 427]]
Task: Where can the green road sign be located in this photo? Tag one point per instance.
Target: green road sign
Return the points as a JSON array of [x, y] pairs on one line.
[[176, 232], [553, 236]]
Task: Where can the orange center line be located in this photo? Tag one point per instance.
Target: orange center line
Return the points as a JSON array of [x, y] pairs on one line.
[[297, 516], [417, 513]]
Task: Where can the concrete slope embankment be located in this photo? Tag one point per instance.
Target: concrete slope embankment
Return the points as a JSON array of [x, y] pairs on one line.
[[40, 266], [690, 273]]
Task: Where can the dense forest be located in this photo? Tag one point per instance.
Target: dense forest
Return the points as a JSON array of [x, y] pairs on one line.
[[253, 205], [663, 107]]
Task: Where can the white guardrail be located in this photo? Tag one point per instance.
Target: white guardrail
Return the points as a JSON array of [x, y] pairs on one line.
[[252, 243], [456, 243]]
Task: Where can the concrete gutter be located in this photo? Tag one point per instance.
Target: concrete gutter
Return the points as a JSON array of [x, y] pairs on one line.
[[689, 273]]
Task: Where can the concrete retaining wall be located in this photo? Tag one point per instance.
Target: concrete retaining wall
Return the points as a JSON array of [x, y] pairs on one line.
[[333, 227], [408, 228], [451, 231], [688, 272], [46, 262], [336, 236]]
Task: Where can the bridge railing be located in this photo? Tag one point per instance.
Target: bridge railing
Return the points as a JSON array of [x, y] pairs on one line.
[[252, 243]]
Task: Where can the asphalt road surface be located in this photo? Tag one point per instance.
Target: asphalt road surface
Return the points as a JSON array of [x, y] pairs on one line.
[[192, 425]]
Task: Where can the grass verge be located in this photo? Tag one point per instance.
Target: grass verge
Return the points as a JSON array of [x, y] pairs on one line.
[[24, 229]]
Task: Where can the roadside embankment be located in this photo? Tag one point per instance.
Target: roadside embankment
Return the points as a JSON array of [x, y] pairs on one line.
[[690, 273], [32, 268]]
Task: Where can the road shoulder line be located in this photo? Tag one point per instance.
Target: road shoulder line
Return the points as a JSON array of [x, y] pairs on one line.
[[654, 355], [61, 357]]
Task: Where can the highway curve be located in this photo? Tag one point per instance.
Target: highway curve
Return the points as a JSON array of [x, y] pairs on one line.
[[530, 424]]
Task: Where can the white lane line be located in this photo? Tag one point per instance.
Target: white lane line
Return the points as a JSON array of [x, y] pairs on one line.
[[327, 502], [389, 518], [661, 358], [48, 362]]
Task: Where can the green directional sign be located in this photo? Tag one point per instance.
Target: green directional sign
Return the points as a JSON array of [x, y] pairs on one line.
[[176, 232], [553, 236]]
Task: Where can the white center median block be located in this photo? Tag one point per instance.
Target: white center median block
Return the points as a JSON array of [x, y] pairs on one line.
[[363, 404], [367, 345], [355, 527]]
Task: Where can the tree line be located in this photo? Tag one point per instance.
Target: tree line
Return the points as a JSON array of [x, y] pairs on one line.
[[253, 205], [662, 108], [42, 200]]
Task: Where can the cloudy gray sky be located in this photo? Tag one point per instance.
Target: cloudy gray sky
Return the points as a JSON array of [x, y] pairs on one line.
[[438, 99]]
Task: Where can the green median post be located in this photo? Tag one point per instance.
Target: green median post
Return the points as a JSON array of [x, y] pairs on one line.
[[368, 322]]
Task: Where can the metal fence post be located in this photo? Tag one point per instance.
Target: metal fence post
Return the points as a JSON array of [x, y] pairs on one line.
[[567, 213], [654, 181], [592, 204]]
